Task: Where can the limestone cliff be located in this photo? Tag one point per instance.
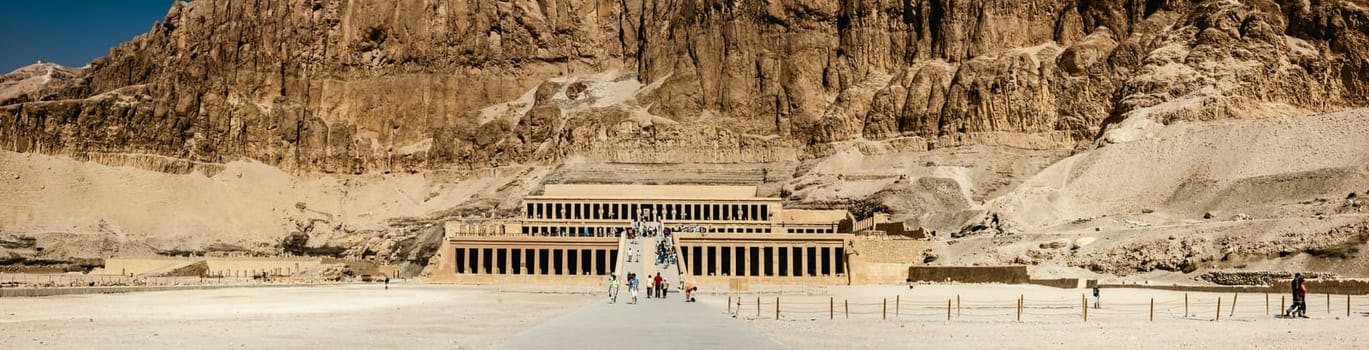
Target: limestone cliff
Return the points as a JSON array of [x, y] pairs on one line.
[[407, 85]]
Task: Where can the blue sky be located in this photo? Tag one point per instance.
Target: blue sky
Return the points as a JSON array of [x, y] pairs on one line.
[[70, 32]]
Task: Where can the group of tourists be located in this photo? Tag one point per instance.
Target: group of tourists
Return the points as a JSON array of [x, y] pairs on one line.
[[659, 287], [665, 250], [614, 285]]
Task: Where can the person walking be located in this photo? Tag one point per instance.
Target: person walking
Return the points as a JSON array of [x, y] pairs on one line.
[[612, 289], [632, 286], [1097, 298], [651, 290], [656, 284], [1299, 289]]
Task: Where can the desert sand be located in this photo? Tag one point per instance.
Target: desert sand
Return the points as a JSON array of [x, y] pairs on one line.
[[335, 317], [480, 317]]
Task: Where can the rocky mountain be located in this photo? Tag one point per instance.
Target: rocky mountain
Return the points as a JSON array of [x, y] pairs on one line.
[[36, 82], [409, 85]]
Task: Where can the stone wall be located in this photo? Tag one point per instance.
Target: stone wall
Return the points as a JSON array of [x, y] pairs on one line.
[[139, 266], [1067, 283], [970, 274]]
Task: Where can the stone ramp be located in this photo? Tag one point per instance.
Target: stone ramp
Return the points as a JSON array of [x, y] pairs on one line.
[[667, 323], [653, 323], [160, 271]]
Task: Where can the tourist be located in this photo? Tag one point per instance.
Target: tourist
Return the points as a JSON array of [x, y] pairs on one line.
[[632, 286], [651, 290], [1299, 289], [1097, 298], [689, 292], [612, 289], [656, 283]]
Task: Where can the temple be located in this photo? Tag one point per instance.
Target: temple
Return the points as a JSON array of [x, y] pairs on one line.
[[574, 233]]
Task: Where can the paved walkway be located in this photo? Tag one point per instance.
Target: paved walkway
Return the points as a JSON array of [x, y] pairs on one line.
[[668, 323]]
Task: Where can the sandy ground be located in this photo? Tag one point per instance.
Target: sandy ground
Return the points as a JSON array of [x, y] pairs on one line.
[[1052, 318], [479, 317], [365, 316]]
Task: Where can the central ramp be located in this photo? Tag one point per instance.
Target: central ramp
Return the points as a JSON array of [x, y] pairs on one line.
[[652, 323]]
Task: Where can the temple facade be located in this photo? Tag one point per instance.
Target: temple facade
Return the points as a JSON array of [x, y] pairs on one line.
[[575, 232]]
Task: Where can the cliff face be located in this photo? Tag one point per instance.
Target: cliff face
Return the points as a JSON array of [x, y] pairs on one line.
[[407, 85]]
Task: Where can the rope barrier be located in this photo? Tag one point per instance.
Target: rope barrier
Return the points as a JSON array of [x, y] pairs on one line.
[[1037, 309]]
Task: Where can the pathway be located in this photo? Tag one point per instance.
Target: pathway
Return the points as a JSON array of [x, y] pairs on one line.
[[655, 323]]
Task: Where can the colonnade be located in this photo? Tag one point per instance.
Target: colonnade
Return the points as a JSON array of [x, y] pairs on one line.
[[534, 261], [575, 210], [764, 260], [571, 231], [277, 272]]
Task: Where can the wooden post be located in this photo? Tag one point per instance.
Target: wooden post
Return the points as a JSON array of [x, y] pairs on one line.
[[1084, 301], [1185, 305], [1233, 304], [948, 308], [1019, 308], [846, 304], [729, 304], [1219, 308], [739, 305], [884, 313], [1282, 300], [777, 308], [896, 304], [758, 307], [1152, 309], [1266, 303], [957, 305], [831, 308], [1347, 305], [1328, 303]]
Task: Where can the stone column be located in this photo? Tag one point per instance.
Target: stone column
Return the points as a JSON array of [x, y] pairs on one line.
[[788, 261], [466, 259], [803, 261], [534, 258], [744, 256], [520, 267], [480, 261], [774, 260], [508, 261], [565, 262], [831, 261], [735, 259], [594, 262]]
